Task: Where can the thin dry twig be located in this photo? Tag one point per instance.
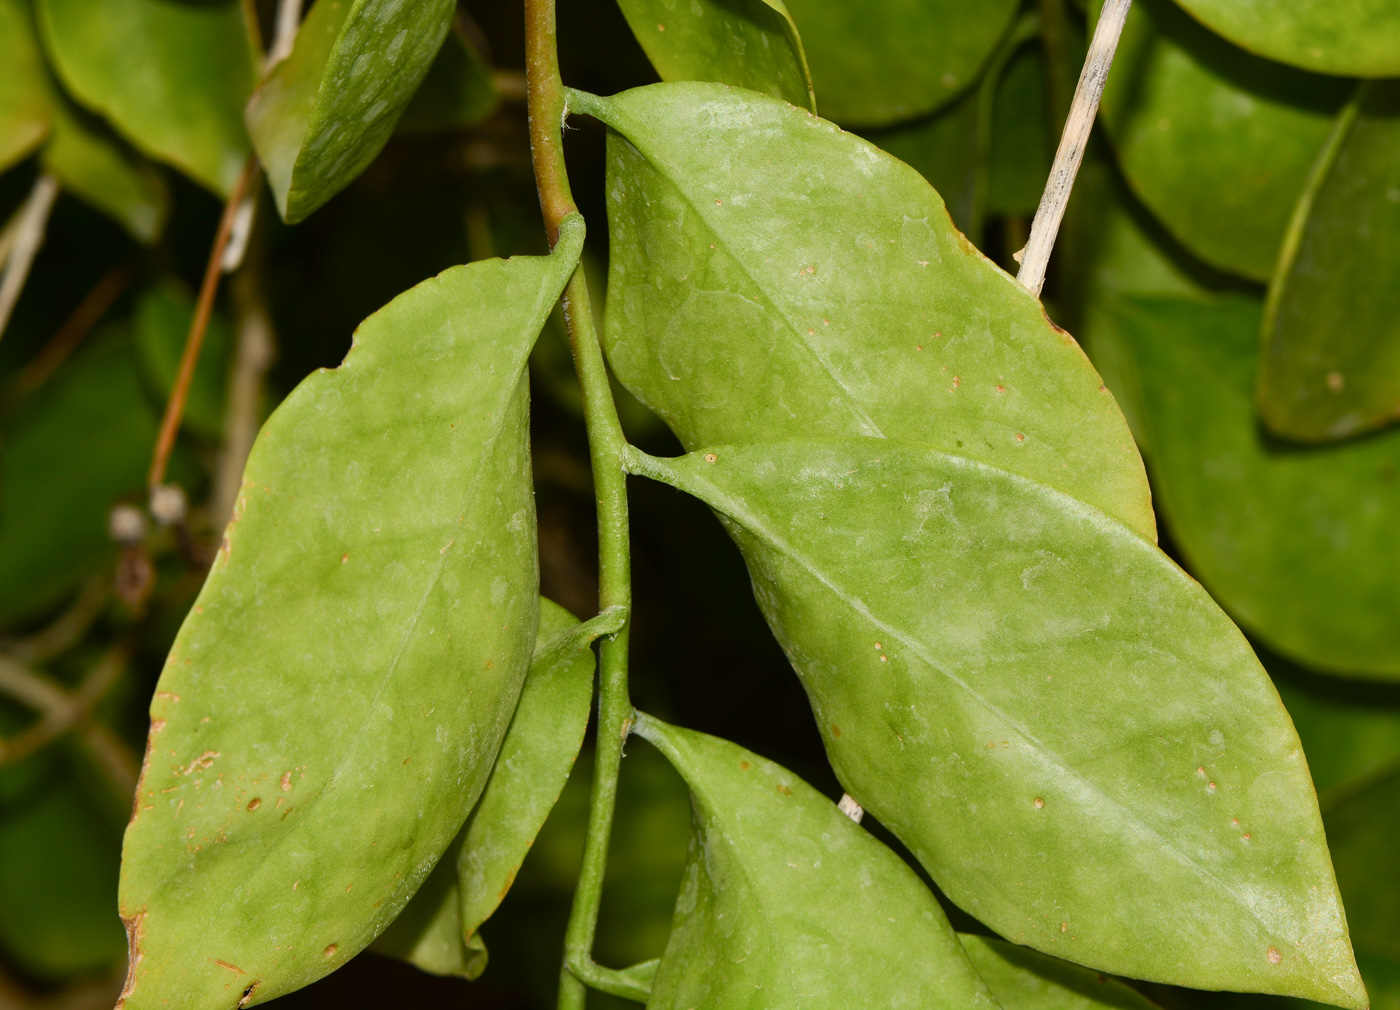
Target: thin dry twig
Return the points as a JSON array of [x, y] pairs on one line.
[[28, 237], [175, 407], [60, 710], [77, 326], [1036, 256], [66, 629], [285, 34]]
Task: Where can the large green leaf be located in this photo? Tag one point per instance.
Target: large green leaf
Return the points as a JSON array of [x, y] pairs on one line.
[[68, 455], [882, 61], [171, 76], [1023, 979], [788, 903], [772, 276], [749, 43], [1330, 361], [331, 708], [534, 762], [24, 99], [1298, 544], [324, 113], [1218, 143], [1061, 725], [1352, 37]]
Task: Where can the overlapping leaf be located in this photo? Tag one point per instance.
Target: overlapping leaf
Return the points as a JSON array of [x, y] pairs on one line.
[[882, 61], [171, 77], [457, 92], [324, 113], [1022, 979], [788, 903], [1329, 366], [1218, 143], [1351, 37], [1063, 727], [772, 276], [750, 44], [24, 100], [1298, 544], [332, 706]]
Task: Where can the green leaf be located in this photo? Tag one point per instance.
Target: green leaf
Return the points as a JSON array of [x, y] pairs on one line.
[[788, 903], [68, 455], [457, 92], [172, 77], [1060, 724], [750, 44], [772, 277], [944, 149], [332, 706], [428, 932], [1023, 979], [1362, 829], [97, 168], [163, 316], [1329, 366], [324, 113], [24, 95], [1021, 147], [1351, 37], [1298, 544], [1349, 730], [882, 61], [1218, 143]]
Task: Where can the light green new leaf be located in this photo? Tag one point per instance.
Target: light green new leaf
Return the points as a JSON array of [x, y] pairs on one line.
[[1358, 38], [1218, 143], [787, 903], [1061, 725], [332, 706], [24, 99], [457, 92], [324, 113], [1298, 544], [749, 43], [1329, 365], [772, 277], [66, 458], [879, 62], [171, 76], [163, 316], [1023, 979], [534, 762]]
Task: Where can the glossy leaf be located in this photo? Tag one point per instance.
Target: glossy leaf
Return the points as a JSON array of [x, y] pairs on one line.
[[1218, 143], [1023, 979], [882, 61], [324, 113], [457, 92], [24, 100], [331, 708], [172, 77], [163, 316], [788, 903], [67, 457], [1298, 544], [1329, 365], [1351, 37], [750, 44], [772, 276], [990, 660]]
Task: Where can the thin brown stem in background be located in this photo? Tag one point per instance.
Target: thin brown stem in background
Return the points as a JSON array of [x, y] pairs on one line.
[[75, 328]]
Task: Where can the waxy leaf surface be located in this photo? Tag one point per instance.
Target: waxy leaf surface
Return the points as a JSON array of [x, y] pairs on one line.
[[1329, 365], [24, 97], [1024, 979], [324, 113], [1218, 143], [1297, 543], [428, 932], [787, 903], [879, 62], [749, 43], [1060, 724], [772, 277], [1350, 37], [172, 77], [332, 706]]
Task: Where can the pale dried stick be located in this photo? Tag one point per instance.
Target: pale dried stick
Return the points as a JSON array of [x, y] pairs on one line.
[[28, 237]]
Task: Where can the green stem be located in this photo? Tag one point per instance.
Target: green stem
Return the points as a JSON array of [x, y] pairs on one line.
[[608, 449]]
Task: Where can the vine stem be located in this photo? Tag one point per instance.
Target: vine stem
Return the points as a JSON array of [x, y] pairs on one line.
[[608, 448], [32, 220], [1036, 256], [194, 340]]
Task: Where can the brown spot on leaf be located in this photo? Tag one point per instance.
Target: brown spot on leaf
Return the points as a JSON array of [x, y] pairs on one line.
[[286, 782], [331, 948], [248, 993], [835, 729], [230, 967], [784, 790], [743, 766], [1273, 955], [254, 803]]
